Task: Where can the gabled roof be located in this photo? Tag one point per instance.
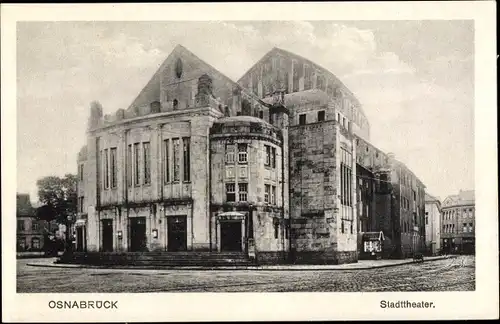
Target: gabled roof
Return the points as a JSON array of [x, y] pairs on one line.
[[276, 50], [464, 197], [151, 92], [24, 207]]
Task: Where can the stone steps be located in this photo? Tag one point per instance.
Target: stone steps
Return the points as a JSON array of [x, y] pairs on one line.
[[161, 258]]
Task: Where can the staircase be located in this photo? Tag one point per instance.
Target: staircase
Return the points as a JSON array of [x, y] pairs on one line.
[[161, 259]]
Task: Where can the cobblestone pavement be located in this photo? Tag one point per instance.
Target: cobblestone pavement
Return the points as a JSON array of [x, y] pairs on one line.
[[454, 274]]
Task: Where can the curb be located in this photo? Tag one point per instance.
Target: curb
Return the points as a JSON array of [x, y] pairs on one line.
[[195, 268]]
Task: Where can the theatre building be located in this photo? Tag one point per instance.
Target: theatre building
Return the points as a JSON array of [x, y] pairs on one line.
[[264, 167]]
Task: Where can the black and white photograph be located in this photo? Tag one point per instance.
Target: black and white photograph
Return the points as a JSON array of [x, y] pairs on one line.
[[246, 156]]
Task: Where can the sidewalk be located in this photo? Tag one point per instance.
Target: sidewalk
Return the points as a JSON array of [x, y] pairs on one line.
[[360, 265]]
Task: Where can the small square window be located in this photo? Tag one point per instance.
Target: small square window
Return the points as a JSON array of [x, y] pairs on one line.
[[321, 116]]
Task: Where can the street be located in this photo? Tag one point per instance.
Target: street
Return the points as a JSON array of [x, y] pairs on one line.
[[455, 274]]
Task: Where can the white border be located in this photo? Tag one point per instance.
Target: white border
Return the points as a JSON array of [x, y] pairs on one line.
[[483, 303]]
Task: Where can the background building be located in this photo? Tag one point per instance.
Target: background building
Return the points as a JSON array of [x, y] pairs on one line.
[[397, 205], [458, 223], [266, 167], [30, 231], [432, 225]]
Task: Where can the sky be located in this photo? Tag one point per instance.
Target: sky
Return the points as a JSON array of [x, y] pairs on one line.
[[414, 79]]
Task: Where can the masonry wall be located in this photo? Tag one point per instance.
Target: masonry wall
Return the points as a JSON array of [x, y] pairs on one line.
[[314, 187]]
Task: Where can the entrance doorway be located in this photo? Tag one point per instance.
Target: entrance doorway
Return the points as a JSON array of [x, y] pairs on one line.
[[80, 237], [230, 236], [107, 235], [176, 233], [138, 234]]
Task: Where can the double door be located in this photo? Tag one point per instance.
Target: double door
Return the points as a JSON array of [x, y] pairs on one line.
[[107, 235], [176, 233], [138, 241]]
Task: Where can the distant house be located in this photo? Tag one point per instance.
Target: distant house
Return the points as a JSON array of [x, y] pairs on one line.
[[30, 230], [458, 219]]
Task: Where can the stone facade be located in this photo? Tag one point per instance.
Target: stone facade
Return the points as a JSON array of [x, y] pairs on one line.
[[267, 166]]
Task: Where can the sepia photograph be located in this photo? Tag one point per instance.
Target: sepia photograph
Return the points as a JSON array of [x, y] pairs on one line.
[[245, 155]]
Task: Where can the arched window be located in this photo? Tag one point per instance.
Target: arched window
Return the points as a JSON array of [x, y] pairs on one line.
[[176, 104]]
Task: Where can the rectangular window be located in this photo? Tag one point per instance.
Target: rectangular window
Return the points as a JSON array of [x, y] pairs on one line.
[[20, 225], [307, 77], [268, 155], [129, 166], [35, 226], [464, 229], [346, 178], [80, 204], [229, 153], [81, 172], [273, 195], [321, 116], [21, 241], [166, 161], [343, 228], [267, 193], [255, 83], [297, 72], [242, 153], [146, 149], [114, 171], [426, 220], [320, 82], [137, 152], [273, 158], [302, 119], [276, 230], [261, 114], [242, 191], [470, 228], [187, 159], [230, 192], [35, 243], [177, 158], [338, 117], [106, 169], [344, 122]]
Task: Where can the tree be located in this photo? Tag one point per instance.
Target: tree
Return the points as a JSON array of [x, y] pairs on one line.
[[59, 199]]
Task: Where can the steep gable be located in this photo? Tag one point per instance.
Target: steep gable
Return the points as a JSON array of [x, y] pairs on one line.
[[190, 63]]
